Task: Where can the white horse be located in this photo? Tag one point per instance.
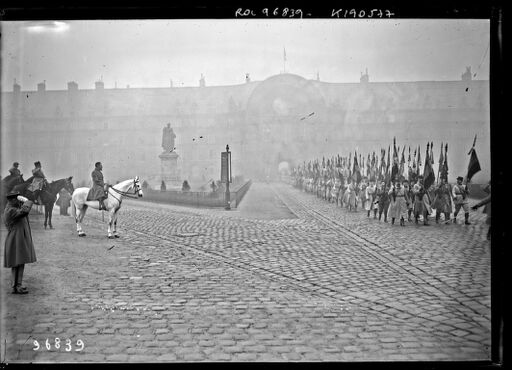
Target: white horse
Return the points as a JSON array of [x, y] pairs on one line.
[[79, 203]]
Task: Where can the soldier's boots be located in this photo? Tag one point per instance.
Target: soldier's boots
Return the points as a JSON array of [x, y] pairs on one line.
[[466, 219]]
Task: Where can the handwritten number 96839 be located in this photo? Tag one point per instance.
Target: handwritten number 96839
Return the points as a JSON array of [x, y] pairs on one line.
[[66, 345]]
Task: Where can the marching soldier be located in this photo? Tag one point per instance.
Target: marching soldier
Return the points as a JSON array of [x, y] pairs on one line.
[[460, 194], [398, 204], [443, 200], [382, 197], [420, 208], [370, 196], [409, 196]]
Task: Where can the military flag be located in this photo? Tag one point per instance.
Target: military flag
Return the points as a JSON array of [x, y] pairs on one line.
[[414, 169], [428, 172], [402, 164], [474, 164], [444, 168], [394, 168], [356, 172]]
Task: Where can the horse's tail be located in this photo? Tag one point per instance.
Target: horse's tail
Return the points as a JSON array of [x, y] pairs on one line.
[[73, 209]]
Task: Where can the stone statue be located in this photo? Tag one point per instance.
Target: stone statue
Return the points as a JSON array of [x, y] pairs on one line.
[[168, 137]]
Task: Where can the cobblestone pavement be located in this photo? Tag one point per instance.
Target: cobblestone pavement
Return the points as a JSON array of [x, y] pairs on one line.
[[183, 284]]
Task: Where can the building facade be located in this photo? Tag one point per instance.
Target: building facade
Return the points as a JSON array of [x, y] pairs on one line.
[[284, 118]]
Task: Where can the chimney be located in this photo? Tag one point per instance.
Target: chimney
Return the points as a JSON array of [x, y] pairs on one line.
[[72, 86], [16, 89], [364, 77], [202, 82], [41, 87]]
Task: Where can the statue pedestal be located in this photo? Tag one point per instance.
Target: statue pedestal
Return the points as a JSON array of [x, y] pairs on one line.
[[169, 169]]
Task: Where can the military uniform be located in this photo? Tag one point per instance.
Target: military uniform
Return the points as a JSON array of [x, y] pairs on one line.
[[19, 248], [460, 194], [421, 203], [443, 202], [382, 197], [38, 181], [370, 196], [14, 171], [397, 205], [97, 191]]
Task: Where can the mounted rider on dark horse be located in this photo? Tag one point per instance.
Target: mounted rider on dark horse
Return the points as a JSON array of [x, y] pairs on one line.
[[37, 189]]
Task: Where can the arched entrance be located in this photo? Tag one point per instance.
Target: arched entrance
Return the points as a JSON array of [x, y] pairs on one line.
[[280, 114]]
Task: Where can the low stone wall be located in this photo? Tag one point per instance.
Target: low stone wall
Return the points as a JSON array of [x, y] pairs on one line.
[[198, 198]]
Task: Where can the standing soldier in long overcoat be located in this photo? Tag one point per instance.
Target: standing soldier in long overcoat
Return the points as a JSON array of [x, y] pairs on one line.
[[370, 196], [420, 208], [398, 203], [97, 191], [409, 198], [64, 202], [382, 197], [19, 248], [443, 200]]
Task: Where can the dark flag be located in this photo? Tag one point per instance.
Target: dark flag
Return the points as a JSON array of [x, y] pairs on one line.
[[474, 164], [419, 159], [388, 163], [402, 164], [394, 169], [428, 172], [432, 153], [444, 169], [356, 173], [414, 169], [382, 164]]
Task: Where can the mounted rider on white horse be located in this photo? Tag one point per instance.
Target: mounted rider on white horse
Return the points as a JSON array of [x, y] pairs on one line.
[[112, 203]]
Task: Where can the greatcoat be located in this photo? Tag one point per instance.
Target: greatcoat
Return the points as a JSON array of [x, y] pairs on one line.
[[97, 190], [19, 248]]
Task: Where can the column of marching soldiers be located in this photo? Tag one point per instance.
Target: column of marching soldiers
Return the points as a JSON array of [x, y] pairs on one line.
[[385, 188]]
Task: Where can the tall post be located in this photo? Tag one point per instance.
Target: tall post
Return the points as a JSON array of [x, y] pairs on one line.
[[228, 178]]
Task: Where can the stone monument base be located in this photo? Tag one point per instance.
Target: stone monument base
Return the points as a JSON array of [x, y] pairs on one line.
[[169, 172]]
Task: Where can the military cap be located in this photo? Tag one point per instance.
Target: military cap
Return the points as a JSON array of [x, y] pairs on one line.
[[12, 194]]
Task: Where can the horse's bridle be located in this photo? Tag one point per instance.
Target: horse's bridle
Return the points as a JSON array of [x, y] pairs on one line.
[[125, 193]]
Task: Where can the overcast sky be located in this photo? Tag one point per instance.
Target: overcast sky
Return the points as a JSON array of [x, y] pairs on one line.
[[151, 53]]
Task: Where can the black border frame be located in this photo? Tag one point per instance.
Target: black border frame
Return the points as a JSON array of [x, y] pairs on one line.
[[494, 10]]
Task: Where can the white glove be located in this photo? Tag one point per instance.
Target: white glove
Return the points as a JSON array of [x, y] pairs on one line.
[[21, 198]]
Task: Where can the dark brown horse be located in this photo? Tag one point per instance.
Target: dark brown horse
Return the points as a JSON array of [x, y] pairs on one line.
[[48, 195]]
